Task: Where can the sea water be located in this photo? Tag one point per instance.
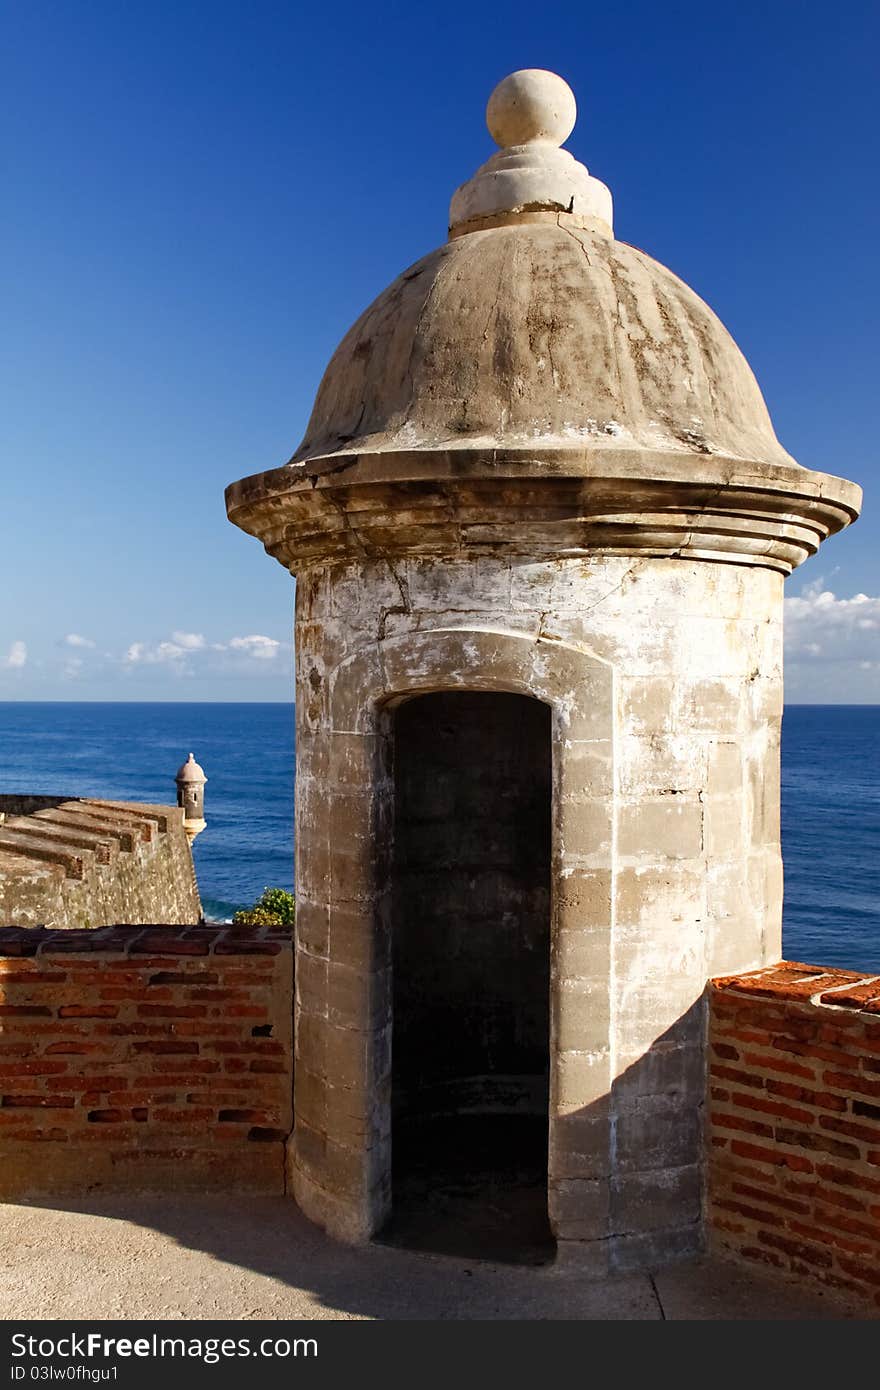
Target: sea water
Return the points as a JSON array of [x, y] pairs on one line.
[[830, 800]]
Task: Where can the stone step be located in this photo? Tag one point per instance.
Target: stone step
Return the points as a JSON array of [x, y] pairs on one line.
[[159, 815], [144, 829], [65, 831], [32, 846], [124, 835]]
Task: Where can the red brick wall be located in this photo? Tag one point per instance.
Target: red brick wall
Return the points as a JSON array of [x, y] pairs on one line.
[[138, 1058], [794, 1123]]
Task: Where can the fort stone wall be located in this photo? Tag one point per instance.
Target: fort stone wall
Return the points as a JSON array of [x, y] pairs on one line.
[[72, 863]]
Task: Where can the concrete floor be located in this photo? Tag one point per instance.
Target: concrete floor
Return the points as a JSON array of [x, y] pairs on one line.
[[201, 1257]]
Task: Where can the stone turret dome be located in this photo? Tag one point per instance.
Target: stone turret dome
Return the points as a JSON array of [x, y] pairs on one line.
[[536, 336], [533, 345], [190, 771], [533, 327]]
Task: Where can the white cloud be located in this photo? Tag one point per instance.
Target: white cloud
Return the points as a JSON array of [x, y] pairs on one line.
[[819, 626], [17, 656], [73, 639], [262, 648], [161, 653], [166, 651], [183, 647]]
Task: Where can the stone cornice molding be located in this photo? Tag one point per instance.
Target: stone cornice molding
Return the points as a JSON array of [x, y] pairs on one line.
[[560, 502]]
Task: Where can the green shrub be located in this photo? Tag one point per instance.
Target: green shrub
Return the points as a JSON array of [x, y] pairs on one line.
[[273, 908], [255, 917]]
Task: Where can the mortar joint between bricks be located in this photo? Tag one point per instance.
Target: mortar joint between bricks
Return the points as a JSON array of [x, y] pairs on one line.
[[820, 998]]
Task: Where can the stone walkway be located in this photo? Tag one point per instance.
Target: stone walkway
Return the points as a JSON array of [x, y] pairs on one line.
[[200, 1257]]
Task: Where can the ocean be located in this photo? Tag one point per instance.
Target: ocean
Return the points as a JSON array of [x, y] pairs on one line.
[[830, 800]]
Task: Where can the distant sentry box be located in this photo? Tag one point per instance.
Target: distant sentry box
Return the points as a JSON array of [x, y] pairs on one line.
[[190, 782]]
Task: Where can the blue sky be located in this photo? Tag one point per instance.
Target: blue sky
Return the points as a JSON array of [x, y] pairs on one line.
[[201, 197]]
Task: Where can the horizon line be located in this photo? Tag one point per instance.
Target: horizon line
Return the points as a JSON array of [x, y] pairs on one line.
[[787, 704]]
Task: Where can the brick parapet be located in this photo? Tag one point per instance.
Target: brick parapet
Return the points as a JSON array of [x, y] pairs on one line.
[[144, 1058], [201, 940], [794, 1123]]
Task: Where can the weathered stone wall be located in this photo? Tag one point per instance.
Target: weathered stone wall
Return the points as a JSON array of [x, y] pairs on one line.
[[144, 1059], [664, 680], [471, 903], [84, 863]]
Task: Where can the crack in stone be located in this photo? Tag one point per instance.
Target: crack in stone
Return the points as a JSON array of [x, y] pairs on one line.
[[628, 575], [656, 1292], [403, 608]]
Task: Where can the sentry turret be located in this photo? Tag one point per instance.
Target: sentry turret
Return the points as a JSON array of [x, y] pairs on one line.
[[191, 781]]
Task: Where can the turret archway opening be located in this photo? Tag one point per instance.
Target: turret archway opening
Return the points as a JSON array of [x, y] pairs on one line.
[[470, 881]]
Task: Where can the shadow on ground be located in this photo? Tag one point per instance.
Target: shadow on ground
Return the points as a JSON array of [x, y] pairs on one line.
[[472, 1185], [221, 1257], [469, 1240]]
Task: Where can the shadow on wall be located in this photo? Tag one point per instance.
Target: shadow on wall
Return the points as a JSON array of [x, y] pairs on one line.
[[627, 1171], [270, 1237], [13, 804]]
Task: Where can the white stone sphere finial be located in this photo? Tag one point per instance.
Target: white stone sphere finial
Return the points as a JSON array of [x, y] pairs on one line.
[[531, 106], [530, 114]]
